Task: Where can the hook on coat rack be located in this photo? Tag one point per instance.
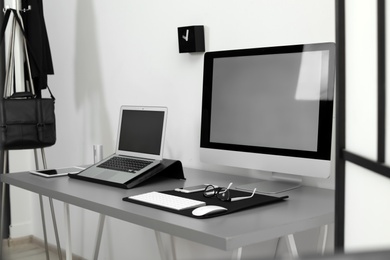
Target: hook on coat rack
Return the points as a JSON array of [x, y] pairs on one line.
[[21, 10]]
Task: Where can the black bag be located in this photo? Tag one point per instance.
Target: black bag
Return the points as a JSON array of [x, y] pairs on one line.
[[26, 122]]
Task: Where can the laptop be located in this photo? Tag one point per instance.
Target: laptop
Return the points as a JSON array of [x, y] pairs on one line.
[[140, 138]]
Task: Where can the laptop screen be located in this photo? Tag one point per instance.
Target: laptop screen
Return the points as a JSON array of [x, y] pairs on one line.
[[141, 131]]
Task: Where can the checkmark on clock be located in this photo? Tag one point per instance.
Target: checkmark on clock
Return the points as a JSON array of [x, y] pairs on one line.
[[185, 37]]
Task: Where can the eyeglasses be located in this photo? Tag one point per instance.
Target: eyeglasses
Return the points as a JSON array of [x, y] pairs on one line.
[[223, 193]]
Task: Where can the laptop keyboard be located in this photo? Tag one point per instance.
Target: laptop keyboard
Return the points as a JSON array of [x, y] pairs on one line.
[[124, 164], [167, 200]]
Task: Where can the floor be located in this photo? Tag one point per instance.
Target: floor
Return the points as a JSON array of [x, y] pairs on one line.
[[29, 248], [27, 251]]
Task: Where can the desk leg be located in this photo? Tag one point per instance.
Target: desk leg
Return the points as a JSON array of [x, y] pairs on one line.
[[68, 234], [55, 229], [277, 247], [322, 239], [292, 247], [170, 252], [99, 236], [236, 255], [44, 226], [42, 211]]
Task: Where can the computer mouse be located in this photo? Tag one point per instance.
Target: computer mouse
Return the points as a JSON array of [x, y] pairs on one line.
[[206, 210]]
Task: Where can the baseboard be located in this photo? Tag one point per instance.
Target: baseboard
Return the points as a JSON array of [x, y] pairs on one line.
[[11, 242], [22, 229]]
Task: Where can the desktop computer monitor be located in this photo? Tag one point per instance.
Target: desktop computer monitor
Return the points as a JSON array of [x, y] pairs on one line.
[[270, 109]]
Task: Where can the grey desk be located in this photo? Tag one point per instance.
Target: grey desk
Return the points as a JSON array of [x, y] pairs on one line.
[[306, 208]]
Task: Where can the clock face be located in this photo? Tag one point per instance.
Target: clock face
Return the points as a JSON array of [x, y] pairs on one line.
[[191, 39]]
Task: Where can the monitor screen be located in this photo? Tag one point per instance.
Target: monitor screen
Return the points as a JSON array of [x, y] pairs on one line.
[[265, 105]]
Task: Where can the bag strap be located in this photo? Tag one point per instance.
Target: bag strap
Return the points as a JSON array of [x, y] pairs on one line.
[[10, 77], [10, 74], [27, 47], [2, 37], [30, 48], [4, 25]]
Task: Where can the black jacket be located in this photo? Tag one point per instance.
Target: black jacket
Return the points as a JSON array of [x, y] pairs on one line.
[[40, 59]]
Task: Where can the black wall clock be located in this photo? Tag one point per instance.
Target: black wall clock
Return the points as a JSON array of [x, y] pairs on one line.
[[191, 38]]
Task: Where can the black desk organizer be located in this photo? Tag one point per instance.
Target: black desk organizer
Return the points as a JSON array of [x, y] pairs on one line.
[[232, 206]]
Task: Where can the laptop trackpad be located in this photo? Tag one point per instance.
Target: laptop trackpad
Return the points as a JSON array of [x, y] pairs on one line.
[[109, 175], [105, 175]]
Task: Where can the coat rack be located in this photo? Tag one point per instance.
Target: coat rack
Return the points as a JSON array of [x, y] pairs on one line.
[[19, 75]]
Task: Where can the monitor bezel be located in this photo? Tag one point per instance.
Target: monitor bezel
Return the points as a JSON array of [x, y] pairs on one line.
[[325, 112]]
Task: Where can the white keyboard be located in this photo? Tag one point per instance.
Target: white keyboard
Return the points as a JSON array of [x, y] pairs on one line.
[[168, 201]]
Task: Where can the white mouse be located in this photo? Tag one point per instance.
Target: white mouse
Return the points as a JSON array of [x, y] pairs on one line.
[[208, 209]]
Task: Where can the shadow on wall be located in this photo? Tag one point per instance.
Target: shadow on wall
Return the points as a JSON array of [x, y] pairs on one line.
[[89, 94], [88, 82]]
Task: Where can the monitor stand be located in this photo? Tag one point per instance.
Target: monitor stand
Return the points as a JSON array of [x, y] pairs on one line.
[[277, 185]]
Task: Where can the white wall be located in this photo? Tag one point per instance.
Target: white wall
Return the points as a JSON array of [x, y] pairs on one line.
[[110, 53], [366, 193]]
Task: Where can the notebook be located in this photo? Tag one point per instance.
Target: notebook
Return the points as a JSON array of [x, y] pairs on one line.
[[141, 134]]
